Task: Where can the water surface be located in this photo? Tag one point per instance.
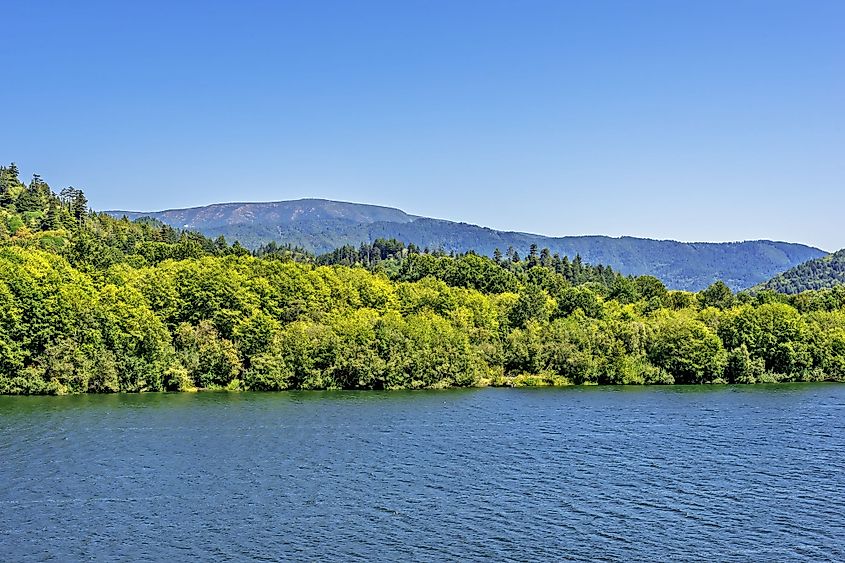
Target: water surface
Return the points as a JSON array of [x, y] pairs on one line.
[[694, 473]]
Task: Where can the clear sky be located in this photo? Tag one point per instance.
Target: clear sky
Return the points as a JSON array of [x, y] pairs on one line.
[[692, 120]]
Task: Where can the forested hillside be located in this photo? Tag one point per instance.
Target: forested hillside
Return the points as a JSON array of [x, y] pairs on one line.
[[321, 226], [821, 273], [33, 216], [89, 303]]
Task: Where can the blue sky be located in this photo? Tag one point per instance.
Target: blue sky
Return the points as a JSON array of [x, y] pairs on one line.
[[698, 120]]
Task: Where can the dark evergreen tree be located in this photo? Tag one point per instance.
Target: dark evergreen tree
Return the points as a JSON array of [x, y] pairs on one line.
[[79, 206], [51, 220]]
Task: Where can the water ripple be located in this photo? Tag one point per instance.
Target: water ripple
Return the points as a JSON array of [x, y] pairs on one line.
[[695, 474]]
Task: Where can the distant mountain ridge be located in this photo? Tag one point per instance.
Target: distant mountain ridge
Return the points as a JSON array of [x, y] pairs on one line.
[[322, 225], [820, 273]]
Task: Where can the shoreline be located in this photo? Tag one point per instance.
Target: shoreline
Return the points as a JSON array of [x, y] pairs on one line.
[[505, 385]]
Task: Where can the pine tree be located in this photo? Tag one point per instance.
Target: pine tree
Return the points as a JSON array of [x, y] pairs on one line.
[[66, 195], [577, 269], [51, 220], [5, 185], [566, 269], [80, 206]]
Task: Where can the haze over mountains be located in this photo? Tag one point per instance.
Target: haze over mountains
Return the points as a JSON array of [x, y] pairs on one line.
[[322, 225]]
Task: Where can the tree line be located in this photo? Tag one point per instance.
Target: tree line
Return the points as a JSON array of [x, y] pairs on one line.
[[91, 303]]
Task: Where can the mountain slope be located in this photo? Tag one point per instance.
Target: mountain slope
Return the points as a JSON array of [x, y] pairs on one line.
[[819, 273], [322, 225]]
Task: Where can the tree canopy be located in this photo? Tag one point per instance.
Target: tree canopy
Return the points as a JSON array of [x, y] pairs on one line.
[[91, 303]]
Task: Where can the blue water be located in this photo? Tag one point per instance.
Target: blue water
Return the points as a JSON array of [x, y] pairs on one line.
[[663, 473]]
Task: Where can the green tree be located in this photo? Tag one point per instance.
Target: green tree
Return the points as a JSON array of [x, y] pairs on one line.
[[687, 350], [579, 298], [742, 368], [532, 305], [79, 206], [718, 295], [211, 361]]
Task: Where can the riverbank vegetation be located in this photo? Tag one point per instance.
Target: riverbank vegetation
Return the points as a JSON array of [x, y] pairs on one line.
[[90, 303]]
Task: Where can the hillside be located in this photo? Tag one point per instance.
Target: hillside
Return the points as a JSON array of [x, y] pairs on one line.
[[90, 303], [322, 225], [820, 273]]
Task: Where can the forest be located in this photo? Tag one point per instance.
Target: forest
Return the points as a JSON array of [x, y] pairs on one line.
[[93, 303], [821, 273]]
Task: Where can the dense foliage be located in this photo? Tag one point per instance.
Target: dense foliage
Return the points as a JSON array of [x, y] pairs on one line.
[[89, 303], [821, 273], [32, 216]]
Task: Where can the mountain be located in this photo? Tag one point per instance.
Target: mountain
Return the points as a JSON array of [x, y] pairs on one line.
[[322, 225], [819, 273]]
